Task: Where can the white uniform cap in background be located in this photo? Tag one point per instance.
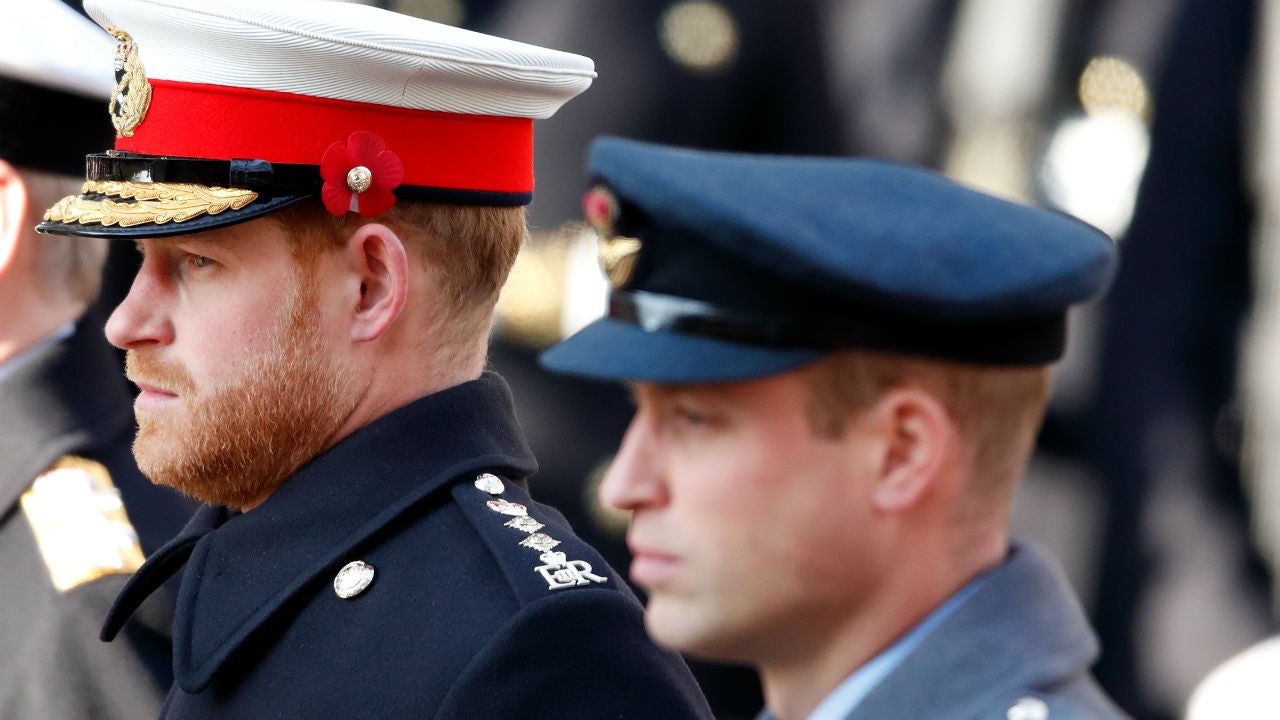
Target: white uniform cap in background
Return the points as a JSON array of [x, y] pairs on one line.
[[227, 110], [54, 85], [49, 44]]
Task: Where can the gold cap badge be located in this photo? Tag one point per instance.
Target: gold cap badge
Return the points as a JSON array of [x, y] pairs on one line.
[[132, 94], [618, 255]]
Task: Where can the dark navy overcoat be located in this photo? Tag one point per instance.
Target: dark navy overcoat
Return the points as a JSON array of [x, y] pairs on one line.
[[479, 603]]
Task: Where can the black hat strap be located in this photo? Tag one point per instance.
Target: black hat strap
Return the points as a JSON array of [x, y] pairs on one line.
[[1033, 341], [263, 177]]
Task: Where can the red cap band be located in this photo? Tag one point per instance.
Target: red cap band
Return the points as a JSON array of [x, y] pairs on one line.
[[442, 150]]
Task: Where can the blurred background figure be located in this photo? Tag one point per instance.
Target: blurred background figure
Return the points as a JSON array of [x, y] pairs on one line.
[[1262, 357], [1133, 116], [1181, 585], [1157, 479], [76, 517], [1243, 686]]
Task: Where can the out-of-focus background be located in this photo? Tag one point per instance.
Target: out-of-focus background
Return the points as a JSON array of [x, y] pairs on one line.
[[1157, 480]]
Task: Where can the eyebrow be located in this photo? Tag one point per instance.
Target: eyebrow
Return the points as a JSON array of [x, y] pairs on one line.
[[657, 392]]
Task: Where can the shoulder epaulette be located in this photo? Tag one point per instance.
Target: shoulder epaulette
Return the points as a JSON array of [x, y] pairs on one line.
[[537, 555], [80, 523]]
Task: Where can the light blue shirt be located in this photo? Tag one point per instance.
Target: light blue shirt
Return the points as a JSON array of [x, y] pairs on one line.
[[845, 697]]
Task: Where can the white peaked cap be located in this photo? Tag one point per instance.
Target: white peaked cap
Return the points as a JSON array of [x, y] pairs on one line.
[[227, 110], [345, 51]]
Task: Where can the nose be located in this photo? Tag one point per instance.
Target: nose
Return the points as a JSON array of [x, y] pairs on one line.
[[142, 317], [634, 480]]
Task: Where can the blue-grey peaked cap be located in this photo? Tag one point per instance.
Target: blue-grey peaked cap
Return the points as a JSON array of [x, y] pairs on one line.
[[790, 258]]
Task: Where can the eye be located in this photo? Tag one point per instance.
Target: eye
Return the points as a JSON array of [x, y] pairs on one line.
[[200, 261], [690, 416]]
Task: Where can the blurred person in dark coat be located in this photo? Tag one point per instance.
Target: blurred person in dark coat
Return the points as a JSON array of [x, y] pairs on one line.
[[76, 516], [1181, 583]]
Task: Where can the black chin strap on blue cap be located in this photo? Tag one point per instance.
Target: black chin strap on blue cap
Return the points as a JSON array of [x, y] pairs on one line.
[[1025, 341]]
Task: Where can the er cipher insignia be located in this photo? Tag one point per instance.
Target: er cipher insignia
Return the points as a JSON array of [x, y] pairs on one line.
[[561, 572], [557, 569]]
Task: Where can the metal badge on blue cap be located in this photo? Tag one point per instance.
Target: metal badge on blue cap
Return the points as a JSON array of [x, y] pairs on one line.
[[748, 265], [618, 254]]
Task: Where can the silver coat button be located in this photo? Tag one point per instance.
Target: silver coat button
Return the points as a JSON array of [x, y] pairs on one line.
[[1028, 708], [352, 579], [490, 483]]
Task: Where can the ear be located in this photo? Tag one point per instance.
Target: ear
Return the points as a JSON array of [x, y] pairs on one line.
[[13, 213], [378, 257], [918, 438]]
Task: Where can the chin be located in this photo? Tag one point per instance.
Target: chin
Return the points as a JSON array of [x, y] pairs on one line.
[[682, 627]]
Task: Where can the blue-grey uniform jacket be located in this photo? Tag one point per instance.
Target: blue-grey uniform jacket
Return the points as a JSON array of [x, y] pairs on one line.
[[1019, 648], [70, 401], [482, 603]]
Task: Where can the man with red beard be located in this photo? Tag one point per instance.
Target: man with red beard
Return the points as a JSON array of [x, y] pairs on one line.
[[327, 199]]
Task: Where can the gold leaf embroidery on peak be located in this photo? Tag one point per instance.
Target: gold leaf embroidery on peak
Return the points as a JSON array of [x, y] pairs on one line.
[[155, 203]]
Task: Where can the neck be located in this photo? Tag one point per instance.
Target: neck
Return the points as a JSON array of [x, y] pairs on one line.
[[397, 379], [794, 685], [25, 323]]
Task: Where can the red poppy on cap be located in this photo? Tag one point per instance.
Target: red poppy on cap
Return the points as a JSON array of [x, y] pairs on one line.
[[600, 208], [360, 175]]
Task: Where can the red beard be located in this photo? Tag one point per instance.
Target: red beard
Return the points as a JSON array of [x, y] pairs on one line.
[[236, 445]]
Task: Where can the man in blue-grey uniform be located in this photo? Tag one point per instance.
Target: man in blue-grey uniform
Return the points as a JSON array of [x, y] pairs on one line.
[[839, 367], [76, 516], [327, 198]]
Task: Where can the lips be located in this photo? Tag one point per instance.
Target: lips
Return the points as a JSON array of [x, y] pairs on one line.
[[151, 396], [149, 389], [149, 381], [652, 568], [157, 381], [149, 386]]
